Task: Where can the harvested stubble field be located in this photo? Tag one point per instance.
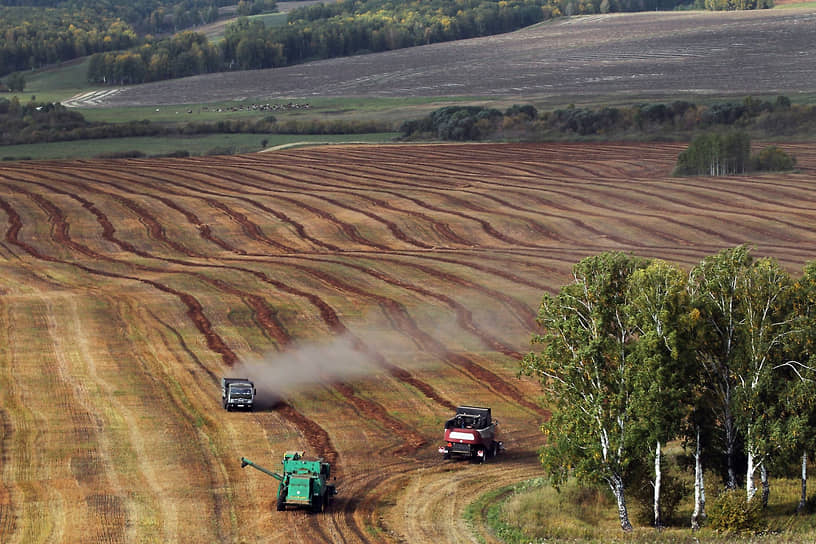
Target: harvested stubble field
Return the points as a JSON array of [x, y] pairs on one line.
[[129, 287], [600, 58]]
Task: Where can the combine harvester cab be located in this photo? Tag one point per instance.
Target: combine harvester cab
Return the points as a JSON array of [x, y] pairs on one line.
[[304, 482], [471, 433]]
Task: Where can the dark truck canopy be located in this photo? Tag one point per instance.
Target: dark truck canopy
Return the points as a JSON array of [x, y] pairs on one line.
[[469, 417], [230, 381]]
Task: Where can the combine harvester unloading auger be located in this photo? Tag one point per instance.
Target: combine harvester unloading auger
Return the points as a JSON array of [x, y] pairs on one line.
[[303, 482]]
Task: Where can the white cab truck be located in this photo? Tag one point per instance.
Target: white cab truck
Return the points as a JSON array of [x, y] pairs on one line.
[[237, 394]]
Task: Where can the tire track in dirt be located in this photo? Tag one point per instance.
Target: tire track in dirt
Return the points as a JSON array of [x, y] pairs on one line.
[[205, 230], [723, 196], [425, 341], [252, 230], [628, 201], [569, 215], [443, 229], [262, 311], [352, 233], [403, 175], [464, 316], [215, 343], [88, 466], [499, 273], [373, 411], [549, 204], [316, 436], [486, 226], [348, 229], [195, 311]]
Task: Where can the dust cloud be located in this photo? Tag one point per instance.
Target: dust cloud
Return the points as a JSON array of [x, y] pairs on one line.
[[280, 373]]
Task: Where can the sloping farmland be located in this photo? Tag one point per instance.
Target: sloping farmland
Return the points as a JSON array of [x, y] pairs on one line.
[[367, 290]]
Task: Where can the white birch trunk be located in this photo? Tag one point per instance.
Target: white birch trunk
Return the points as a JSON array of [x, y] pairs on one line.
[[750, 488], [766, 485], [699, 489], [617, 489], [658, 474], [800, 508]]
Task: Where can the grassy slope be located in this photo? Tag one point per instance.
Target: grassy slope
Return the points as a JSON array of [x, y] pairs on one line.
[[195, 145]]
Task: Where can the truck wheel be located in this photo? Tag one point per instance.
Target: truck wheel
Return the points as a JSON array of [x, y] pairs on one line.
[[281, 505], [319, 504]]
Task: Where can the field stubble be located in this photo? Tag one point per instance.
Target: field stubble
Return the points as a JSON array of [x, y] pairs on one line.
[[131, 286]]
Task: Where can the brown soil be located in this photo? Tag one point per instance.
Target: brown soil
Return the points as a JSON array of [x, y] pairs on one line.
[[131, 286]]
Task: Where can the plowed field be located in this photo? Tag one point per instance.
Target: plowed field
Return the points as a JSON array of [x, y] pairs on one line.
[[632, 56], [368, 290]]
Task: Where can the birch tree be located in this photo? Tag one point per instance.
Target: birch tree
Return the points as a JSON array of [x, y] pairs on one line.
[[765, 299], [663, 352], [714, 290], [587, 376], [799, 401]]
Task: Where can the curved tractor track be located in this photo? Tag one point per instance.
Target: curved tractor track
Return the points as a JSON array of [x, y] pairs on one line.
[[129, 287]]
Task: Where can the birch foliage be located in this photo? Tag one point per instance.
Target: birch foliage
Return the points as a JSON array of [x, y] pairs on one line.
[[663, 361], [714, 290], [587, 376]]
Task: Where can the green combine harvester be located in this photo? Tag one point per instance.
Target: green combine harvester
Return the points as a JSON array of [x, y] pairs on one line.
[[303, 482]]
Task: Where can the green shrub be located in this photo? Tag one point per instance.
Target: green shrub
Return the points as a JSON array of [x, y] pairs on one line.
[[772, 159], [731, 512]]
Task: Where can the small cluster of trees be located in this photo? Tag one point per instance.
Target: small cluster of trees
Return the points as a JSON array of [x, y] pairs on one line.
[[635, 353], [679, 119], [726, 154]]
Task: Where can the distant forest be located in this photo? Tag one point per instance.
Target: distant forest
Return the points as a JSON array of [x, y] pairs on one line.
[[149, 40]]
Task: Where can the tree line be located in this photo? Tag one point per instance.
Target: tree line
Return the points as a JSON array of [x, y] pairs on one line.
[[133, 34], [36, 33], [634, 353], [344, 28], [676, 120]]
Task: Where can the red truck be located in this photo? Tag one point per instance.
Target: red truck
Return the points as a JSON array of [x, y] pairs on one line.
[[471, 433]]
